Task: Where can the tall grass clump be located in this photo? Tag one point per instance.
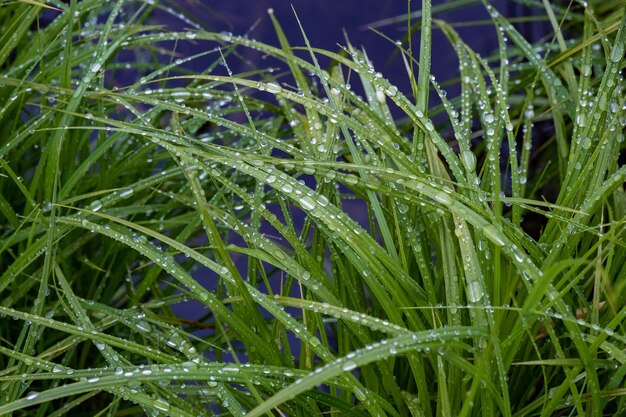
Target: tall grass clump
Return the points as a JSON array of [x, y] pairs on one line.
[[184, 235]]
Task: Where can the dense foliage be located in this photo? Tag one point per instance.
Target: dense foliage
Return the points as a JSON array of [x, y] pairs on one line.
[[183, 235]]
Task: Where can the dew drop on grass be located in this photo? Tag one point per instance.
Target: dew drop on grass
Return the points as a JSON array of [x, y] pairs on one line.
[[617, 53], [57, 368], [391, 91], [32, 395], [273, 88], [287, 188], [126, 192], [349, 365], [161, 404], [96, 205], [351, 179], [314, 341], [270, 179], [443, 198], [93, 380], [380, 96], [143, 326], [469, 160], [475, 291], [493, 234], [307, 203], [489, 118]]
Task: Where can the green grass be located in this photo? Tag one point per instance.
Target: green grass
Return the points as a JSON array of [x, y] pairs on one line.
[[489, 280]]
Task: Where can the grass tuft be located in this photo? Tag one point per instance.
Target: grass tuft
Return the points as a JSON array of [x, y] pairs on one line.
[[185, 235]]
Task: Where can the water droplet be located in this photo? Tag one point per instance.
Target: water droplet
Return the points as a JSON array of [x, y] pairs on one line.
[[493, 234], [469, 160], [96, 205], [403, 208], [349, 365], [351, 179], [273, 88], [391, 91], [307, 203], [143, 326], [126, 192], [161, 404], [443, 198], [618, 52], [475, 291], [32, 395], [380, 96]]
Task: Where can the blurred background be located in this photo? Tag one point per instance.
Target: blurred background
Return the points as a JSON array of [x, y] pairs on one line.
[[327, 23]]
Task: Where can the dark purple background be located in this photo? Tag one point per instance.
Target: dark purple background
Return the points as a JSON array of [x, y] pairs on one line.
[[325, 21]]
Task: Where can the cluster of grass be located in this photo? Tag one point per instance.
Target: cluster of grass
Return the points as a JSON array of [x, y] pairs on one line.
[[132, 186]]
